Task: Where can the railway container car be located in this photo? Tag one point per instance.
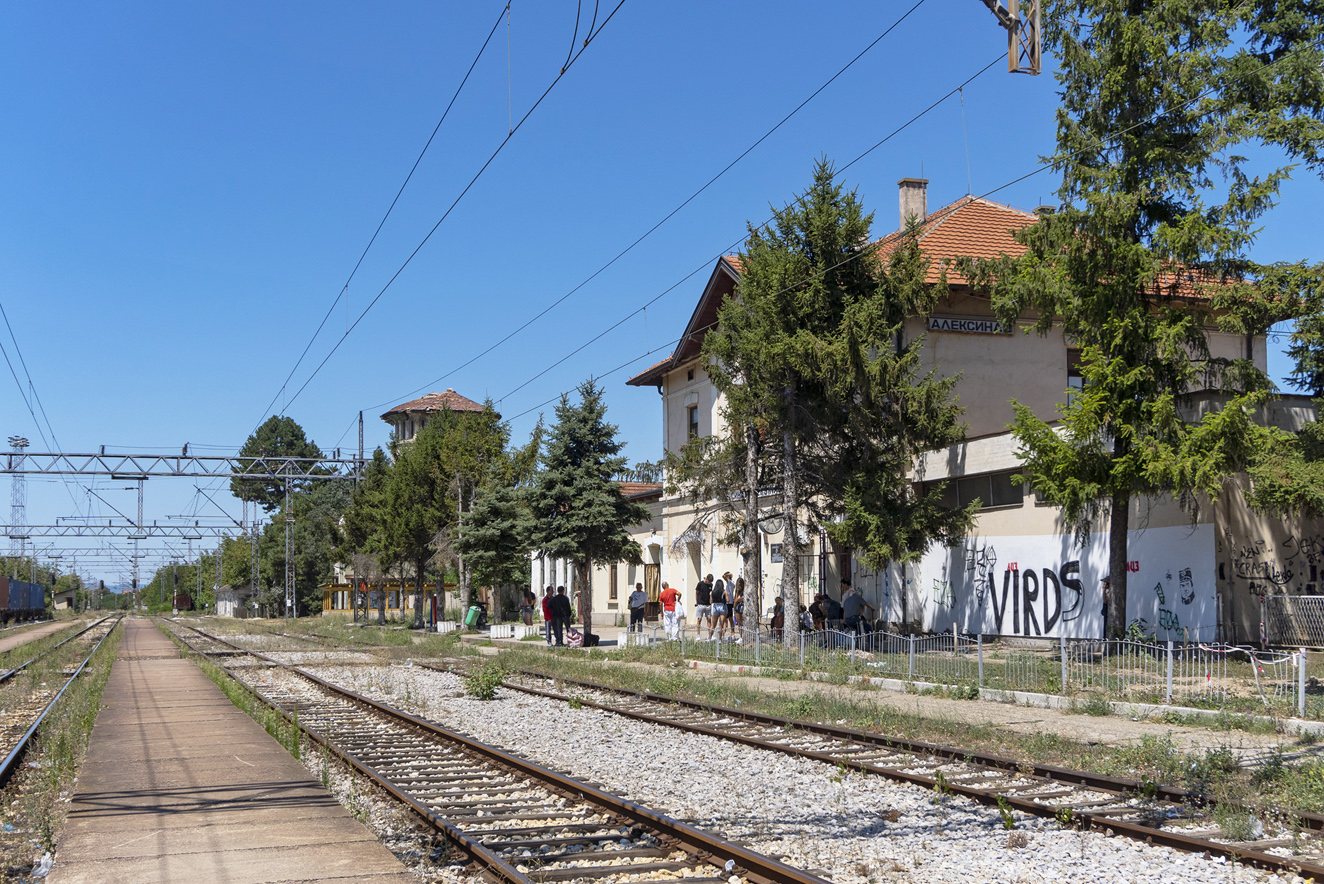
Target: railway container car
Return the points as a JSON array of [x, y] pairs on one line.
[[24, 601]]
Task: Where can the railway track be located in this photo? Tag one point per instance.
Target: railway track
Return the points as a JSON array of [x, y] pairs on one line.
[[519, 821], [26, 709], [1143, 810]]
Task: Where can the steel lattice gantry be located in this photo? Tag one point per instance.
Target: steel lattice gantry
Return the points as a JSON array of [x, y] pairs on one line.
[[109, 528], [149, 466]]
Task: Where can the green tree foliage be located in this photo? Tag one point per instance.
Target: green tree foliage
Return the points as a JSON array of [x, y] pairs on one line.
[[417, 503], [1150, 248], [472, 446], [823, 390], [578, 510], [497, 532], [361, 535], [279, 436], [316, 510]]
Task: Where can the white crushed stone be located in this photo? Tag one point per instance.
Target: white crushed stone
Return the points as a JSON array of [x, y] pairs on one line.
[[812, 815]]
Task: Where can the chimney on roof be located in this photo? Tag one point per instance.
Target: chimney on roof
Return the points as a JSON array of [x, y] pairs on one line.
[[1045, 210], [914, 199]]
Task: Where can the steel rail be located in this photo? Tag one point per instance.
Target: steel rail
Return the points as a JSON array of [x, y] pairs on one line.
[[1100, 822], [10, 673], [698, 843], [15, 755]]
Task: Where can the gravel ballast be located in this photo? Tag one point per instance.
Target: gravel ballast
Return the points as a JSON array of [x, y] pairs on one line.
[[848, 827]]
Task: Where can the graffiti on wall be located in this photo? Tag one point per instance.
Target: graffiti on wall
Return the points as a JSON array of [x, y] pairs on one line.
[[1288, 567], [1045, 586]]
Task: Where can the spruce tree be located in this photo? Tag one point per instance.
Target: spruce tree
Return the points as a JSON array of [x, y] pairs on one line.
[[822, 392], [1150, 248], [578, 510]]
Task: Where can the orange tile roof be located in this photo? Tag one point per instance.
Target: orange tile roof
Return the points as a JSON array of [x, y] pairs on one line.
[[639, 489], [436, 402], [970, 226], [649, 375]]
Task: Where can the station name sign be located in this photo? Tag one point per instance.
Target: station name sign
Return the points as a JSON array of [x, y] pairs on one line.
[[967, 324]]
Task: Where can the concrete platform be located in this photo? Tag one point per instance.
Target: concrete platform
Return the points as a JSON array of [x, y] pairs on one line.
[[180, 786]]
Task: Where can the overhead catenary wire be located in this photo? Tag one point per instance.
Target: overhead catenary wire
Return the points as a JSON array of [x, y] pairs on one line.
[[898, 130], [344, 291], [1040, 168], [455, 203], [667, 217]]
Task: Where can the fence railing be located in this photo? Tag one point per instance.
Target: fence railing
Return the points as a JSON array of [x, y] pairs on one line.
[[1182, 673]]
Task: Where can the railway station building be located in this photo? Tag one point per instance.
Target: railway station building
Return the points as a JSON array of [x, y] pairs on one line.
[[1019, 572]]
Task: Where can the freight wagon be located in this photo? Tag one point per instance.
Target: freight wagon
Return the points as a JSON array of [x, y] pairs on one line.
[[20, 600]]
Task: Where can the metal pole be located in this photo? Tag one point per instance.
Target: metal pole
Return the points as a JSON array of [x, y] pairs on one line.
[[980, 639], [1062, 644], [1301, 683], [1169, 670], [289, 559], [912, 657]]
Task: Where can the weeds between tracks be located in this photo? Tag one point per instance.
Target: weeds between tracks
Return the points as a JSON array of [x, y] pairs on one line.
[[1281, 787], [36, 800]]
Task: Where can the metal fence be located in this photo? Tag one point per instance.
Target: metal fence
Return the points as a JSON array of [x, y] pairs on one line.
[[1183, 673], [1293, 620]]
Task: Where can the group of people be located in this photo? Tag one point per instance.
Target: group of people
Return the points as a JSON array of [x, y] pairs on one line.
[[556, 614], [828, 613], [718, 605]]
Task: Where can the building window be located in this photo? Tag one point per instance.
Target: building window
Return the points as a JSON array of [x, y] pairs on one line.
[[1075, 380], [689, 375], [991, 490], [692, 415], [611, 592]]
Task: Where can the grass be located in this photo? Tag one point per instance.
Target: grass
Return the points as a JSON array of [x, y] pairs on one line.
[[36, 800], [1156, 757]]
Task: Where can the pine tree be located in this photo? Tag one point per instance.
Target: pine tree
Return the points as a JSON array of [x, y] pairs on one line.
[[578, 509], [1150, 248]]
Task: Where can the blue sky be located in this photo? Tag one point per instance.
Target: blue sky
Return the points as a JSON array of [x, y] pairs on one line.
[[187, 187]]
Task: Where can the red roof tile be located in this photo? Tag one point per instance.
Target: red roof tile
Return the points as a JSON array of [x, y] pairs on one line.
[[970, 226], [650, 375], [436, 402], [639, 489]]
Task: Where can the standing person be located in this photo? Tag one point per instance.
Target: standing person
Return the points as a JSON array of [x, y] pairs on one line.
[[853, 606], [547, 613], [703, 606], [737, 606], [526, 609], [721, 602], [668, 597], [561, 614], [637, 600], [778, 622], [832, 610]]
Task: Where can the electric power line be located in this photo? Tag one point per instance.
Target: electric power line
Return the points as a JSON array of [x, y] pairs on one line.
[[345, 288], [455, 203], [665, 218], [1043, 166]]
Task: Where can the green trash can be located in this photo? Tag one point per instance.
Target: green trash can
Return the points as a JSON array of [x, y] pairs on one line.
[[472, 617]]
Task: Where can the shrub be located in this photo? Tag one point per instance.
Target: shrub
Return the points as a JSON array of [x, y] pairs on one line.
[[482, 683]]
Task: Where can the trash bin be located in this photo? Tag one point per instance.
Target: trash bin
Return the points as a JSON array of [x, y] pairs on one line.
[[472, 617]]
